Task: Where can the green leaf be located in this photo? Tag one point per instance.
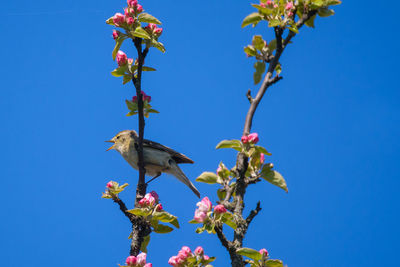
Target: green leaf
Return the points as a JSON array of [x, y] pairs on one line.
[[164, 216], [273, 263], [253, 18], [273, 177], [325, 12], [131, 105], [317, 3], [194, 221], [207, 177], [310, 22], [200, 230], [145, 243], [250, 51], [262, 150], [227, 218], [250, 253], [118, 43], [120, 71], [333, 2], [162, 229], [235, 144], [278, 68], [221, 194], [272, 45], [258, 42], [260, 68], [145, 17], [293, 28], [144, 68], [127, 78], [139, 212], [141, 33], [152, 111], [158, 45], [274, 23]]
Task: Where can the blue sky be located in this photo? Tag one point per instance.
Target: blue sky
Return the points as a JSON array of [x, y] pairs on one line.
[[332, 125]]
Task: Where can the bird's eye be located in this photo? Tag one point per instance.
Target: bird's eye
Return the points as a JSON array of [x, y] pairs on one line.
[[118, 137]]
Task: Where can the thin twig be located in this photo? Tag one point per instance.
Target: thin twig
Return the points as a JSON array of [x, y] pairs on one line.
[[253, 213]]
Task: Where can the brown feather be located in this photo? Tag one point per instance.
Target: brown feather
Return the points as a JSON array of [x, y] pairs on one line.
[[178, 157]]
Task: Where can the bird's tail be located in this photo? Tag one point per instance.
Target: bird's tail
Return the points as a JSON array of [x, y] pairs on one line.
[[178, 173]]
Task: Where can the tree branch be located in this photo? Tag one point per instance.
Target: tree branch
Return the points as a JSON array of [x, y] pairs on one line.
[[253, 213], [123, 207]]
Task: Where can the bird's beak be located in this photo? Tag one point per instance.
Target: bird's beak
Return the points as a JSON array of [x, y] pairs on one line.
[[112, 147]]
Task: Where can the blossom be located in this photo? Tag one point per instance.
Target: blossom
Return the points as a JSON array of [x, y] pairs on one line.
[[148, 265], [253, 138], [184, 253], [148, 99], [262, 158], [173, 260], [264, 252], [139, 9], [199, 251], [205, 257], [130, 20], [159, 207], [245, 139], [110, 184], [269, 2], [122, 59], [153, 193], [199, 216], [131, 261], [115, 34], [132, 3], [204, 205], [219, 209], [141, 259], [118, 19], [148, 200], [289, 6], [153, 29]]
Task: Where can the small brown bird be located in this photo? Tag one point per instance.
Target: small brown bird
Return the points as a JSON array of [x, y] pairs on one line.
[[157, 158]]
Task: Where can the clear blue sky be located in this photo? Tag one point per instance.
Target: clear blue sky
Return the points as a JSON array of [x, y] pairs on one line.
[[332, 125]]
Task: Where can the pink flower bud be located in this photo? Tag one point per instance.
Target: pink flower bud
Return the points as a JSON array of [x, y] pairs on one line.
[[159, 207], [185, 252], [219, 209], [130, 20], [148, 99], [262, 158], [269, 3], [150, 200], [262, 5], [118, 19], [253, 138], [204, 205], [275, 6], [143, 202], [290, 13], [132, 3], [264, 252], [289, 6], [115, 34], [110, 184], [153, 193], [131, 261], [199, 251], [219, 170], [199, 216], [245, 139], [139, 9], [158, 31], [127, 12], [134, 99], [141, 259], [206, 257], [122, 59], [173, 261], [148, 265], [130, 61]]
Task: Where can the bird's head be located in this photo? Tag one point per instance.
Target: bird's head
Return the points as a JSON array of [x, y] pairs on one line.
[[122, 140]]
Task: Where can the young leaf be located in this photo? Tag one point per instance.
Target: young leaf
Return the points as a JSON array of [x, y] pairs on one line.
[[310, 22], [145, 243], [118, 43], [158, 45], [262, 150], [118, 72], [273, 177], [145, 17], [144, 68], [250, 51], [208, 178], [162, 229], [273, 263], [253, 18], [258, 42], [235, 144], [141, 33], [221, 194], [325, 12], [260, 68], [227, 218], [127, 78], [250, 253], [139, 212], [272, 45]]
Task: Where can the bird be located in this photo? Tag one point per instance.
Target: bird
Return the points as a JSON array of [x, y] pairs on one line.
[[157, 157]]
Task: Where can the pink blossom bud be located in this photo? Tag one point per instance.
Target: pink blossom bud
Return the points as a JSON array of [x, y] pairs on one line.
[[173, 261], [275, 6], [185, 252], [127, 12], [264, 252], [204, 205], [115, 34], [245, 139], [159, 207], [141, 259], [148, 99], [253, 138], [262, 5], [139, 9], [219, 209], [158, 31], [130, 61], [148, 265], [269, 3], [130, 20], [118, 19], [134, 99], [110, 184], [132, 3], [199, 216], [131, 261], [143, 202], [153, 193], [262, 158], [206, 257], [219, 170], [290, 13], [150, 200], [199, 251], [289, 6], [122, 59]]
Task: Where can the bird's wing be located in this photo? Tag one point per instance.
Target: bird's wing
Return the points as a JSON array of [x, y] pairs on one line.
[[178, 157]]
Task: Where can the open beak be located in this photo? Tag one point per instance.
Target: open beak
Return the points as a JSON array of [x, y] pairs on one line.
[[112, 147]]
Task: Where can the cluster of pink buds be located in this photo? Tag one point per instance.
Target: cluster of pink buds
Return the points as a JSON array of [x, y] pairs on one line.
[[201, 213], [269, 4], [145, 98], [185, 253], [139, 261], [150, 200], [153, 29], [251, 138], [131, 12], [289, 7]]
